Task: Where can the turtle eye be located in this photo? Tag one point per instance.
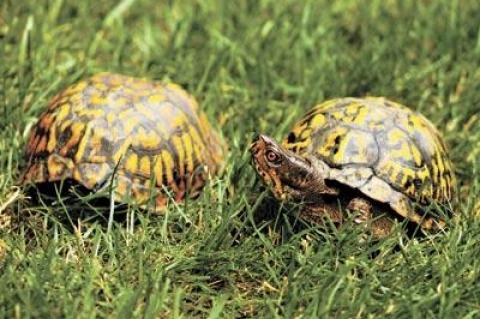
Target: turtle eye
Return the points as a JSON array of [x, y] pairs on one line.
[[273, 157]]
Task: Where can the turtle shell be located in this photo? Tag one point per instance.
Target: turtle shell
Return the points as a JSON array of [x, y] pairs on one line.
[[143, 133], [385, 150]]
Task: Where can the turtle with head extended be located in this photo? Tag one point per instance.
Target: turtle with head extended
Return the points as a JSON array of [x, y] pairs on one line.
[[146, 136], [371, 156]]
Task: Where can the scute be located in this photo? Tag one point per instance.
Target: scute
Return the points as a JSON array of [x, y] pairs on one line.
[[137, 129], [402, 149]]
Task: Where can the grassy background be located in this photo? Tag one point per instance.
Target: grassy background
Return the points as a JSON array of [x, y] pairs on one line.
[[254, 66]]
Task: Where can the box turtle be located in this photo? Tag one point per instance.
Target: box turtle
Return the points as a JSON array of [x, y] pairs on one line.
[[374, 157], [139, 131]]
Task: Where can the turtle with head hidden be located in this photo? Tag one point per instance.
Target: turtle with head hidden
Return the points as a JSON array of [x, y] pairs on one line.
[[371, 156], [145, 136]]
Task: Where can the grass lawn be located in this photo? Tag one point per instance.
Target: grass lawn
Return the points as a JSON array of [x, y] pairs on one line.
[[253, 66]]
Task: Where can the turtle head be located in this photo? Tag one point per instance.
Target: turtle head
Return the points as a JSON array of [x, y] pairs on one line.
[[289, 175]]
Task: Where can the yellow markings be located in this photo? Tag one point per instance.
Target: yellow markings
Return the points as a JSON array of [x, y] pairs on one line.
[[423, 174], [98, 158], [146, 111], [62, 113], [174, 87], [338, 115], [156, 98], [395, 171], [168, 164], [318, 121], [77, 175], [150, 141], [131, 163], [126, 115], [98, 100], [361, 115], [417, 122], [302, 132], [197, 141], [417, 156], [306, 133], [96, 138], [158, 170], [139, 191], [100, 86], [122, 186], [76, 102], [441, 167], [297, 146], [90, 179], [144, 167], [129, 124], [325, 106], [57, 166], [402, 153], [394, 136], [352, 108], [133, 94], [434, 171], [91, 113], [52, 138], [111, 118], [179, 120], [443, 188], [204, 125], [83, 143], [76, 88], [76, 130], [407, 174], [121, 150], [339, 156], [298, 129], [187, 141], [177, 143], [358, 152], [120, 101], [65, 124], [333, 137]]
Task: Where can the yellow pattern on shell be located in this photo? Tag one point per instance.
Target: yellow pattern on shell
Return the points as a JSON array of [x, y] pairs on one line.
[[133, 127], [402, 147], [144, 167], [131, 163], [168, 165]]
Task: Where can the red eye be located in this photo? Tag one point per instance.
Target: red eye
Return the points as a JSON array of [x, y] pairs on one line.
[[272, 156]]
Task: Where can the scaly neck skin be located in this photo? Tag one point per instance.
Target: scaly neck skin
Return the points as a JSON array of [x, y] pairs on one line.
[[309, 180]]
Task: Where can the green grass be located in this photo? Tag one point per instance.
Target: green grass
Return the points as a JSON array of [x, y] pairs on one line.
[[254, 66]]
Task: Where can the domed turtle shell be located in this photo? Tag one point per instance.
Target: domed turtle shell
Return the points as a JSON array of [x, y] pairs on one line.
[[381, 148], [139, 131]]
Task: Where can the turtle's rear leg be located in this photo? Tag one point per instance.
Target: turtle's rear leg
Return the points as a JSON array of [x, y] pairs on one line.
[[378, 222]]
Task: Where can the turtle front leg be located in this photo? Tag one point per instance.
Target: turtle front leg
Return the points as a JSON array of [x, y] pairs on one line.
[[380, 225], [320, 211]]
